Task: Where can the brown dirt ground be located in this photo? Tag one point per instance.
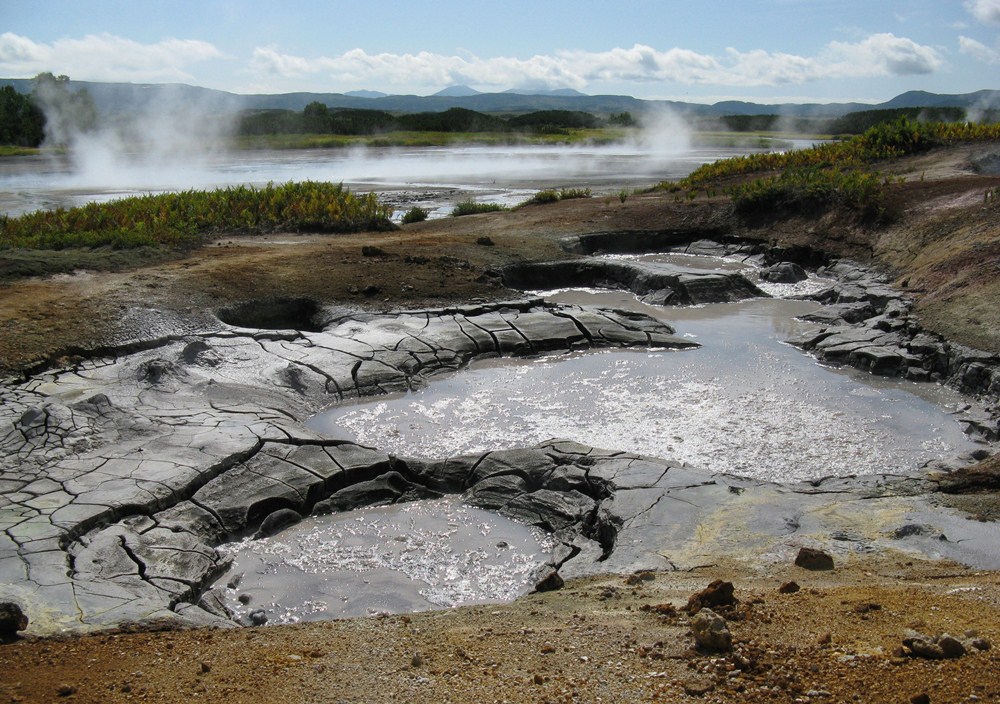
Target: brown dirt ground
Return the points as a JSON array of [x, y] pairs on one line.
[[590, 641], [596, 640]]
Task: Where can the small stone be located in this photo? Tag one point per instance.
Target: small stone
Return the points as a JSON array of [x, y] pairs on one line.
[[417, 660], [711, 632], [951, 646], [789, 588], [12, 619], [920, 699], [538, 679], [717, 593], [485, 241], [698, 686], [550, 582], [548, 649], [924, 647], [825, 639], [244, 599], [813, 559], [981, 644], [205, 668], [66, 690], [258, 617]]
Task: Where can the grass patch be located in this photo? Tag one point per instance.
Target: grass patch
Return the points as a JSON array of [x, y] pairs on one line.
[[184, 219], [833, 174], [551, 195], [12, 150], [471, 207]]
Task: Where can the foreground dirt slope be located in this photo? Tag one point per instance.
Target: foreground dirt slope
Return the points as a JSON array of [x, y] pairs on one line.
[[608, 639]]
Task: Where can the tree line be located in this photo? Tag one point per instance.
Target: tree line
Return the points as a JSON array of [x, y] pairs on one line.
[[50, 110], [317, 118]]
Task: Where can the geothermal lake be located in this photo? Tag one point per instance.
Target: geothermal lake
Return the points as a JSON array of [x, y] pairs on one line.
[[436, 178]]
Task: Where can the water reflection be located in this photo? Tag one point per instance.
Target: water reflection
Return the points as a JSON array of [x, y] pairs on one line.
[[745, 402]]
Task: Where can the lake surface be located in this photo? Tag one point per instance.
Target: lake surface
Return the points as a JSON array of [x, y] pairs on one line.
[[435, 178]]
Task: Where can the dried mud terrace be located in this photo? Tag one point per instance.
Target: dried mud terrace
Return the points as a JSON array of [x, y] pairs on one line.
[[125, 467]]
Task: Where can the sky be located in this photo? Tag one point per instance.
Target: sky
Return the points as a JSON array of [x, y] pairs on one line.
[[756, 50]]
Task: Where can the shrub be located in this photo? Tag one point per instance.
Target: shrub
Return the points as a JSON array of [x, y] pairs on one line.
[[471, 207], [415, 214]]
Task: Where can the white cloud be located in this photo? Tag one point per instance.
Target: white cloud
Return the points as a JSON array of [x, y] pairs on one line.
[[881, 55], [877, 55], [986, 11], [103, 57], [978, 51]]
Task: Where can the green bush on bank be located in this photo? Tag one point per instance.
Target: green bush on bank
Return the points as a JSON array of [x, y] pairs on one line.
[[832, 174], [471, 207], [175, 219]]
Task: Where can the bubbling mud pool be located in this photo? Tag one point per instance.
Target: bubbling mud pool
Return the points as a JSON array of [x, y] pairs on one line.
[[391, 559], [746, 403]]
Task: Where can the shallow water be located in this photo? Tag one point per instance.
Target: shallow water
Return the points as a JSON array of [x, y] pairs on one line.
[[395, 559], [745, 402]]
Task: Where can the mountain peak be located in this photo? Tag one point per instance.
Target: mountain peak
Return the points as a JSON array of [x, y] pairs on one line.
[[456, 92]]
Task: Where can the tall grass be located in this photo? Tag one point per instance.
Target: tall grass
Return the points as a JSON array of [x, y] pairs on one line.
[[175, 219], [832, 174], [471, 207]]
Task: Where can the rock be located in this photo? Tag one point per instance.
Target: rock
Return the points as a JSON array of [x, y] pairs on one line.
[[718, 593], [277, 522], [924, 647], [813, 559], [548, 580], [369, 251], [698, 685], [951, 646], [711, 632], [784, 273], [258, 617], [12, 620], [66, 690], [923, 698], [485, 241], [789, 588]]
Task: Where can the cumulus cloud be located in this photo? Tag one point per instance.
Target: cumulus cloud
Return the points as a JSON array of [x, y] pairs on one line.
[[878, 55], [978, 50], [986, 11], [104, 57]]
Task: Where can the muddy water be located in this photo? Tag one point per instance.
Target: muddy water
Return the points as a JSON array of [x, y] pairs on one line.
[[745, 402], [394, 559]]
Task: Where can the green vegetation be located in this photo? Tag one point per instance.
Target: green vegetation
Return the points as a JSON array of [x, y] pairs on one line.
[[22, 123], [471, 207], [179, 219], [415, 214], [318, 119], [833, 174], [551, 195], [859, 122]]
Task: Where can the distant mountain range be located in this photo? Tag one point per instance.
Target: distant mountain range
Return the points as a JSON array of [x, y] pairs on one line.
[[122, 98]]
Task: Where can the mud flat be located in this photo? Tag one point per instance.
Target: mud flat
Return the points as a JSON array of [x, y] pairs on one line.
[[123, 474]]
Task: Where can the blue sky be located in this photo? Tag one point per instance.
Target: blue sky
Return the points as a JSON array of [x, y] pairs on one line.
[[761, 50]]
